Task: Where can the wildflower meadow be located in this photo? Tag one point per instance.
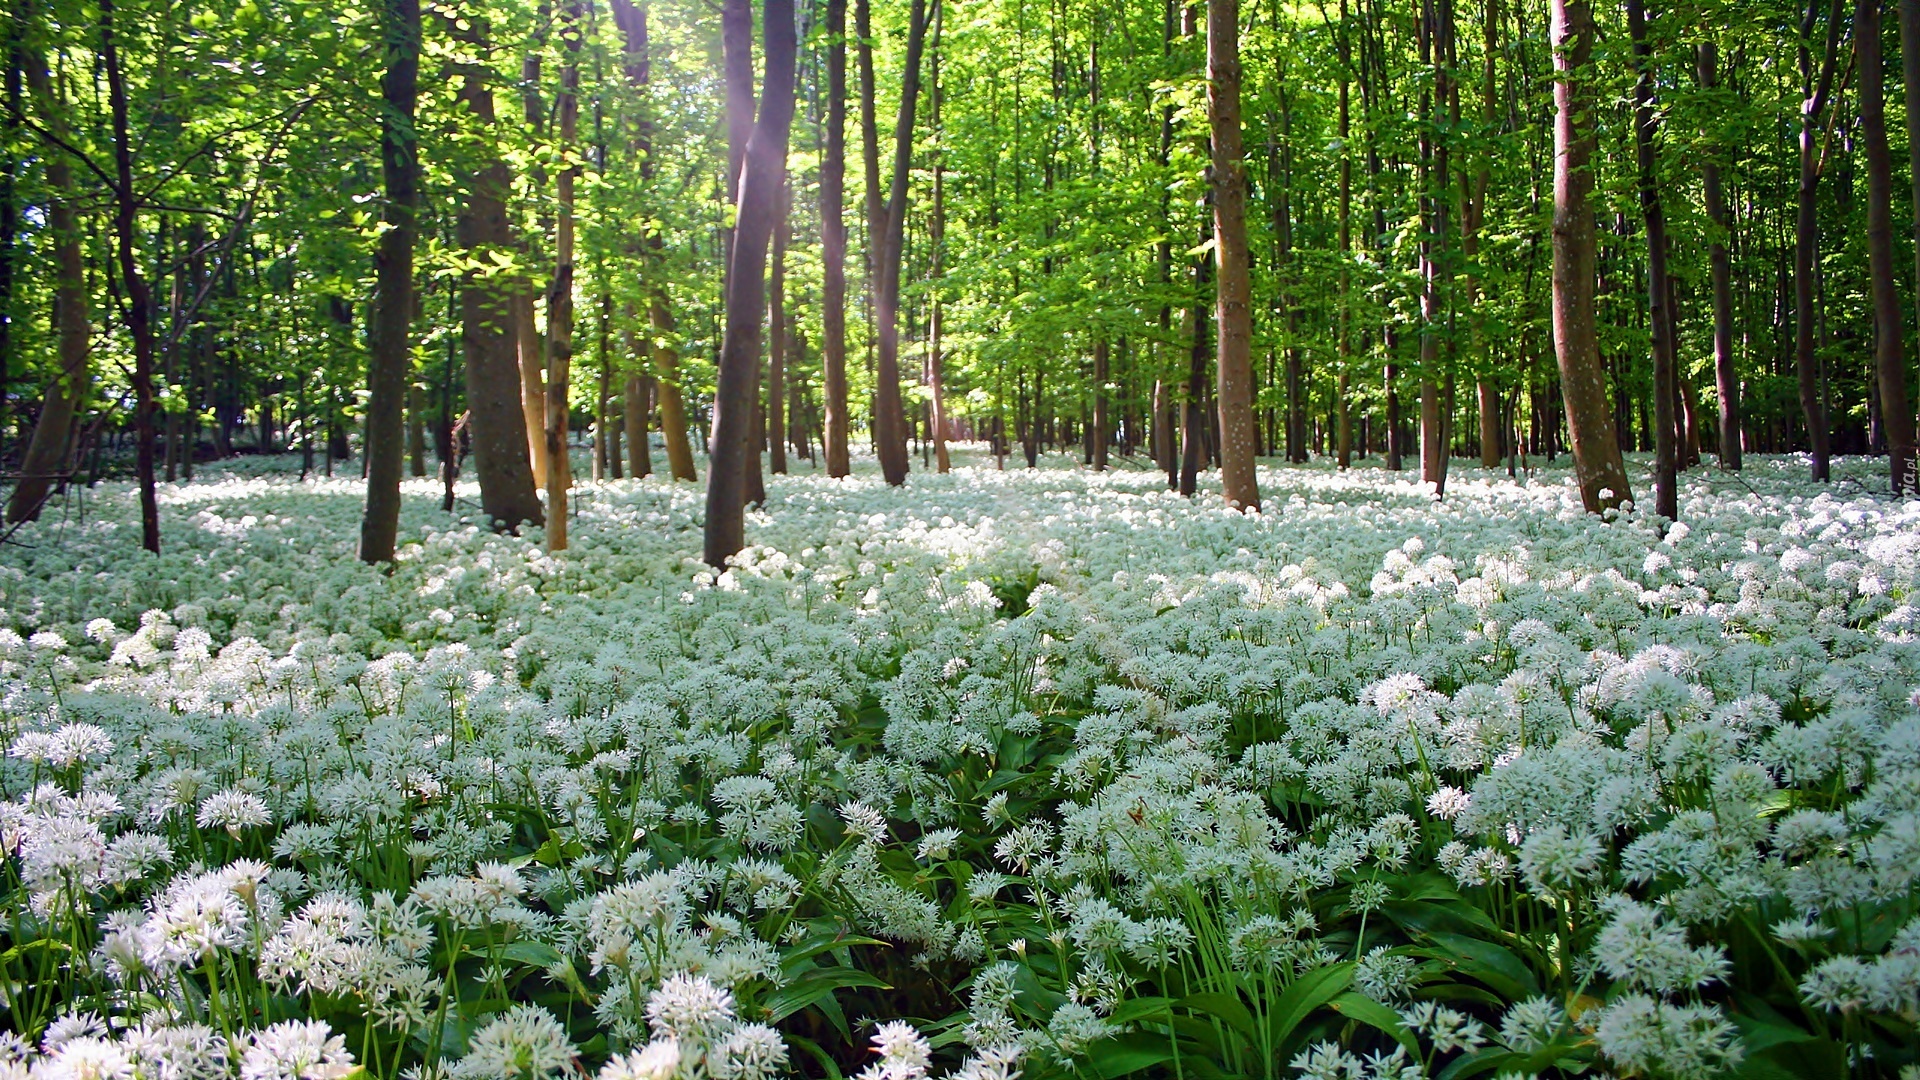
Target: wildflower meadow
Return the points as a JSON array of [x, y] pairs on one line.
[[1043, 773]]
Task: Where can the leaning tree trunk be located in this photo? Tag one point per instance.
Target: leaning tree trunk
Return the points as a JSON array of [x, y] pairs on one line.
[[1598, 466], [833, 246], [761, 177], [46, 455], [1233, 308], [389, 359], [1666, 445], [1896, 416], [1720, 270], [496, 423]]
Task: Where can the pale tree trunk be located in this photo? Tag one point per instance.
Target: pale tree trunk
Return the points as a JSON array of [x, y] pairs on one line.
[[1233, 309], [1720, 269], [389, 358], [496, 424], [1598, 466], [416, 430], [1806, 233], [761, 177], [44, 462], [833, 246], [937, 238], [533, 379], [1666, 446], [1895, 412]]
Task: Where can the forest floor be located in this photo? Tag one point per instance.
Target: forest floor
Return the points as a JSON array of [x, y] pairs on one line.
[[1076, 775]]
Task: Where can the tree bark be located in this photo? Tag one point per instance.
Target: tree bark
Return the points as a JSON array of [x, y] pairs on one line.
[[46, 456], [1233, 309], [1889, 362], [1720, 270], [775, 408], [1666, 446], [496, 423], [559, 475], [833, 245], [1806, 232], [890, 421], [1598, 466], [389, 358], [761, 176]]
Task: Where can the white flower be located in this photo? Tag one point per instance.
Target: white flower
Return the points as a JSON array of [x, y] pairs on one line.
[[296, 1050], [523, 1043]]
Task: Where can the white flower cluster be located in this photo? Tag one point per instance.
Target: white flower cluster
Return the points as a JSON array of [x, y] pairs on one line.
[[990, 716]]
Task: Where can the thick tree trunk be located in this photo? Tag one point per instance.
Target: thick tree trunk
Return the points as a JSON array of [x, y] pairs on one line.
[[389, 358], [1720, 270], [496, 422], [44, 463], [1233, 308], [636, 409], [1598, 466], [1666, 445], [760, 181], [1889, 363], [1910, 80], [833, 245]]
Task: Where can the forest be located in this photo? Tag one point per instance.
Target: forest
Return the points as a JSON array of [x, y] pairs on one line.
[[704, 540]]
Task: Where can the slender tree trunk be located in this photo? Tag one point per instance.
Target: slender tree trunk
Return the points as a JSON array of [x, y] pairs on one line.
[[937, 239], [776, 405], [1666, 446], [761, 178], [833, 245], [559, 476], [416, 429], [1598, 466], [44, 463], [1233, 295], [389, 358], [1720, 270], [890, 432], [496, 422], [1889, 362], [1909, 14], [1343, 326], [1807, 232]]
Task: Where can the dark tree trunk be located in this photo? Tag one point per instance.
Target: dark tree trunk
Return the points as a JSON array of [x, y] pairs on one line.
[[1806, 232], [139, 300], [1889, 363], [1720, 269], [389, 359], [890, 421], [1233, 295], [1666, 446], [775, 408], [833, 245]]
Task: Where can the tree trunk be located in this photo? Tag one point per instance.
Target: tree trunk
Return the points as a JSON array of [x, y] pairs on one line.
[[45, 460], [890, 421], [937, 239], [1666, 446], [833, 245], [1895, 410], [496, 422], [776, 405], [1598, 466], [1807, 233], [389, 358], [761, 177], [1909, 14], [1720, 270], [1233, 309], [559, 475]]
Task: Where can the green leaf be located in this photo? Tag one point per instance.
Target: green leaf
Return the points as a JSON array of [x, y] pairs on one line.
[[1225, 1007], [1365, 1010], [813, 945], [815, 984], [531, 953], [1125, 1055], [1309, 992], [1492, 964]]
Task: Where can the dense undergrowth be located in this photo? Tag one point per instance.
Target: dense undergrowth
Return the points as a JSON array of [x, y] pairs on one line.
[[1072, 776]]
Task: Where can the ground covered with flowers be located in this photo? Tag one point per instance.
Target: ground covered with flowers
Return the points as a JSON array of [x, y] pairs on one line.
[[1049, 774]]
